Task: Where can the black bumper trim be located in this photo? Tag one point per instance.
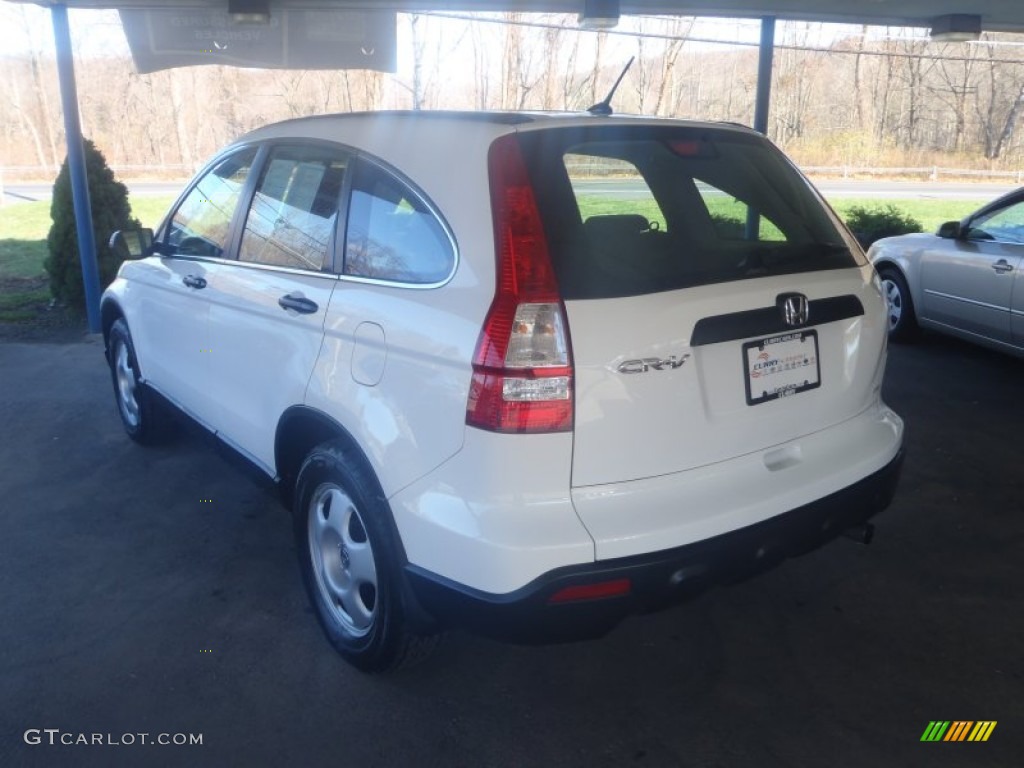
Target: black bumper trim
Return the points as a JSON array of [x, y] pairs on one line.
[[658, 579]]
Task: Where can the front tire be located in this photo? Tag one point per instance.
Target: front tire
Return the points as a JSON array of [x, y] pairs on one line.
[[350, 562], [135, 404], [901, 319]]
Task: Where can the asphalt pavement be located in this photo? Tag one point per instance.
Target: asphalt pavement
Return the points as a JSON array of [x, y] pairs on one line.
[[155, 591]]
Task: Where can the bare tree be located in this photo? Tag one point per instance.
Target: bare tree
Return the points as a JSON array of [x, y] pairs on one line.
[[955, 88], [679, 29]]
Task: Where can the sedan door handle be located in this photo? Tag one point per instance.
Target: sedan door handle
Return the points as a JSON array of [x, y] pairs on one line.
[[194, 282], [300, 304], [1002, 266]]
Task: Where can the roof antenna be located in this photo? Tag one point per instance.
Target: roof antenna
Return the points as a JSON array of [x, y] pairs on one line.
[[604, 108]]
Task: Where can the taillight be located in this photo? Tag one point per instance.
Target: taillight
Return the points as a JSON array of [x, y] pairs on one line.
[[522, 369]]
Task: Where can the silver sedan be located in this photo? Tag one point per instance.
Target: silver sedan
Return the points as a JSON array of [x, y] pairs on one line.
[[965, 280]]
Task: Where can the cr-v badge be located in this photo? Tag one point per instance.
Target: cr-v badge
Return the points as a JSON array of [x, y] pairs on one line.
[[652, 363]]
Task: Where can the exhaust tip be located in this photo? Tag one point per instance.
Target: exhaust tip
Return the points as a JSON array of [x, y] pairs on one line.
[[863, 533]]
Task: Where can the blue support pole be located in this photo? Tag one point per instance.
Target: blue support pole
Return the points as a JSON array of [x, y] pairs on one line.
[[764, 74], [76, 165], [761, 104]]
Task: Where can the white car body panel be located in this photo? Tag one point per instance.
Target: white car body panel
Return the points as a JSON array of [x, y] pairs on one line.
[[495, 519], [412, 418], [261, 356], [631, 426], [171, 342], [672, 510]]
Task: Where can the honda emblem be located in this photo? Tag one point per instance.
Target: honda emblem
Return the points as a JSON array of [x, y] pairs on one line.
[[795, 309]]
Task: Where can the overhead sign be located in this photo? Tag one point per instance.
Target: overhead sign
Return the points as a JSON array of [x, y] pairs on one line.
[[290, 39]]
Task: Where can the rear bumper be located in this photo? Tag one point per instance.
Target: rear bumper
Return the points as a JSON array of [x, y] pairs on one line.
[[656, 579]]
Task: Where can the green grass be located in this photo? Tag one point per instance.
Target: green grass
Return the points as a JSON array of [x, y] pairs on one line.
[[22, 258], [23, 228], [24, 292], [931, 213], [19, 306], [150, 210]]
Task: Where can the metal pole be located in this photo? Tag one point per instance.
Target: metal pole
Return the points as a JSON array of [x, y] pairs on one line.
[[76, 165], [761, 104], [764, 74]]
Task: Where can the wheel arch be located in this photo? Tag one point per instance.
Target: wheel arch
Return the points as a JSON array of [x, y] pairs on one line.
[[906, 265], [299, 430], [902, 257], [110, 311], [888, 262]]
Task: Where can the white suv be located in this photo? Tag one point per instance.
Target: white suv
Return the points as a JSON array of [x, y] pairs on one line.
[[521, 373]]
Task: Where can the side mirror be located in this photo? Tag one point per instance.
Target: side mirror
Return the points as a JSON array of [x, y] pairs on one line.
[[132, 243], [950, 230]]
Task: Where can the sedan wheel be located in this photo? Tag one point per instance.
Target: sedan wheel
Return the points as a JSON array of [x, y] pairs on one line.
[[901, 322], [895, 301]]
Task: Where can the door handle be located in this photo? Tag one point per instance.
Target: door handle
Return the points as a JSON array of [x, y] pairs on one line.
[[194, 282], [300, 304], [1002, 266]]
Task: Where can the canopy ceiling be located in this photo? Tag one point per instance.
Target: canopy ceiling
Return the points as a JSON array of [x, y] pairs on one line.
[[996, 15]]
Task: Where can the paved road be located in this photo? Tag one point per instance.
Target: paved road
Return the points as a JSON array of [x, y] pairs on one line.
[[921, 190], [132, 606]]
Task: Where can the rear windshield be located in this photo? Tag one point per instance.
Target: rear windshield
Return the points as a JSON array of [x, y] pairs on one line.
[[630, 210]]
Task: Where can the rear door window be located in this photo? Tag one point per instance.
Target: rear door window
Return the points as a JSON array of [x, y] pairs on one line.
[[640, 209], [294, 212]]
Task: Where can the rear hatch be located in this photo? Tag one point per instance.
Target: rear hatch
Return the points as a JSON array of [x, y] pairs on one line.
[[715, 306]]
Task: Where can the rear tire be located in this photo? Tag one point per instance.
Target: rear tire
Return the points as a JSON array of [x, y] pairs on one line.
[[139, 413], [350, 562], [901, 321]]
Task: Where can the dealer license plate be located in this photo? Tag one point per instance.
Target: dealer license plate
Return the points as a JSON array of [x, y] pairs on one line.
[[781, 366]]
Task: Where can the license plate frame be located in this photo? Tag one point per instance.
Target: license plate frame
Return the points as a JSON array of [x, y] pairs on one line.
[[783, 363]]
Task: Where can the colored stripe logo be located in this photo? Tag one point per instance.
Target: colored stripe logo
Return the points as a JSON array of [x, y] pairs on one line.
[[958, 730]]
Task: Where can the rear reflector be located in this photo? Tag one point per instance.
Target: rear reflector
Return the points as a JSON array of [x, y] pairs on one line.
[[602, 589]]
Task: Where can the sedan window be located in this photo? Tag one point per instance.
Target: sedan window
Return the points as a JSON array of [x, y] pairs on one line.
[[201, 224], [1005, 224]]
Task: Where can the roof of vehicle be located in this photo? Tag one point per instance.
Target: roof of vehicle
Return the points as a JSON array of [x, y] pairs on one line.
[[501, 122]]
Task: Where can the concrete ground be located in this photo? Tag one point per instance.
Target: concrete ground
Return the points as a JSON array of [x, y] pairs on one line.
[[133, 605]]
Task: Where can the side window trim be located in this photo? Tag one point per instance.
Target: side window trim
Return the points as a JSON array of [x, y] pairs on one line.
[[334, 264], [360, 158], [245, 201]]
